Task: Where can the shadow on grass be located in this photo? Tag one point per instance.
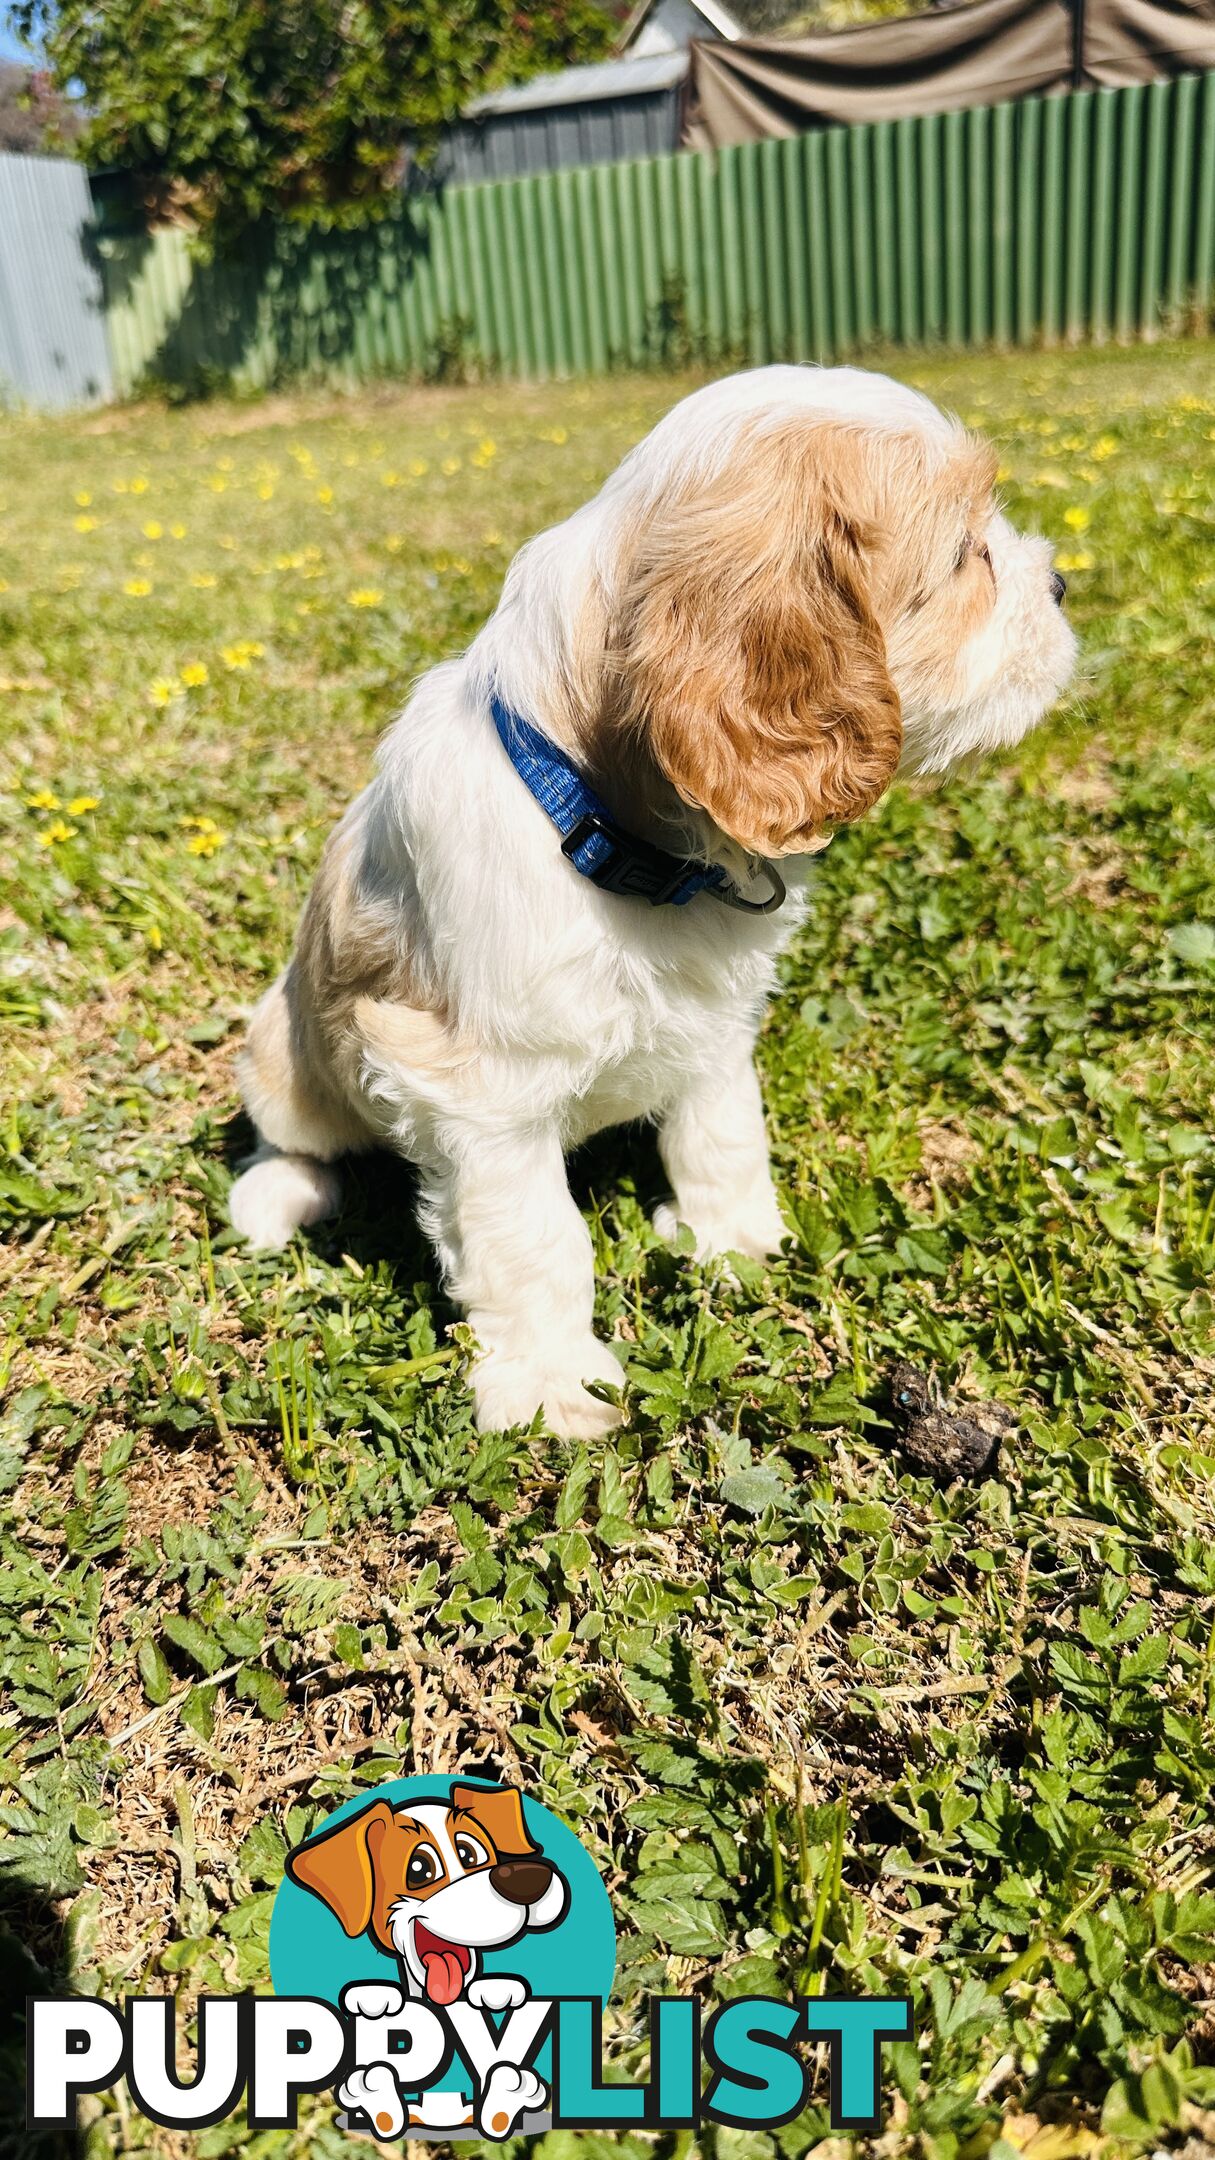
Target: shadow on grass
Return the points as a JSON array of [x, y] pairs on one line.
[[34, 1960], [377, 1221]]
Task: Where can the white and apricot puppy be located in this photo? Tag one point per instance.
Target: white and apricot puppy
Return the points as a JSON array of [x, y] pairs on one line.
[[797, 586]]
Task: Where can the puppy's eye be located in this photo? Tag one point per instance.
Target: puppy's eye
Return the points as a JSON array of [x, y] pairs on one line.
[[469, 1851], [964, 554], [423, 1867]]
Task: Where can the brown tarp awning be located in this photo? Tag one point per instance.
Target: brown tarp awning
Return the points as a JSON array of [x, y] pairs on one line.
[[980, 54]]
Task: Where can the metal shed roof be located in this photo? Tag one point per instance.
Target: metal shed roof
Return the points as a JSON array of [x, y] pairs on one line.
[[582, 85]]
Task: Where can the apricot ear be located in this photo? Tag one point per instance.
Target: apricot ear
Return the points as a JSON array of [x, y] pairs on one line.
[[339, 1866], [745, 650], [499, 1814]]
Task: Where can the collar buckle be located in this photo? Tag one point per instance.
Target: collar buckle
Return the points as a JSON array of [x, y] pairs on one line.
[[618, 863]]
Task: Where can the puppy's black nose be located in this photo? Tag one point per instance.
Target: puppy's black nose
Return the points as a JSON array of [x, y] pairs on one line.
[[524, 1882], [1058, 587]]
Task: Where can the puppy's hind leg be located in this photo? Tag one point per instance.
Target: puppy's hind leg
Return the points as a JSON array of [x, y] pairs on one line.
[[301, 1128], [279, 1194]]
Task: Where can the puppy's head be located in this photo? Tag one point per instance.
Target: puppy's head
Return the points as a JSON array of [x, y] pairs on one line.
[[434, 1883], [824, 600]]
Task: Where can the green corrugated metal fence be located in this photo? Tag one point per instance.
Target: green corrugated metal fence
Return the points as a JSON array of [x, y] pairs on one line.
[[1087, 216]]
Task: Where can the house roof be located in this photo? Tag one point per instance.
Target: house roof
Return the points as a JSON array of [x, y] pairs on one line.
[[718, 18], [583, 85]]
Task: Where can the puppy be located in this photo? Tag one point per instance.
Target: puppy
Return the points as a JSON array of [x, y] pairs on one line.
[[434, 1885], [558, 906]]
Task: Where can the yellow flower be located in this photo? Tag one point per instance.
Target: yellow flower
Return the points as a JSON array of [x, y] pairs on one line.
[[3, 584], [137, 587], [85, 524], [153, 531], [553, 435], [139, 485], [418, 466], [84, 499], [394, 542], [204, 580], [153, 936], [206, 835], [1105, 446], [80, 803], [451, 465], [1077, 559], [324, 495], [240, 654], [225, 464], [217, 483], [492, 538], [365, 596], [52, 834], [390, 479], [1076, 519], [42, 799], [266, 490], [144, 561], [178, 531], [483, 453], [194, 674], [162, 690]]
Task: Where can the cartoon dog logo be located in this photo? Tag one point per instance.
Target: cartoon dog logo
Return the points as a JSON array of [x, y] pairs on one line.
[[436, 1884]]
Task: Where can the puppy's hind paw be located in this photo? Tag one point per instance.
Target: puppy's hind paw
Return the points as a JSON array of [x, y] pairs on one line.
[[278, 1195], [375, 2092], [509, 2093]]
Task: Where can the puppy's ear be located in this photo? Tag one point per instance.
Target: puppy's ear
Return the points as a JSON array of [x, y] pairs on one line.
[[500, 1815], [340, 1867], [745, 653]]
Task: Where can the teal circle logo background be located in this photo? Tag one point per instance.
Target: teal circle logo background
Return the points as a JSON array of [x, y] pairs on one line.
[[310, 1954]]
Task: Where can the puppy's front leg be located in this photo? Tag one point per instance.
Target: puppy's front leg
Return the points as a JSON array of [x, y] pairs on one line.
[[517, 1254], [715, 1152]]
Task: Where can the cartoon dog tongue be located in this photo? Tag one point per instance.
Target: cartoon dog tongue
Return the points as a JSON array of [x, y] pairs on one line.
[[443, 1964]]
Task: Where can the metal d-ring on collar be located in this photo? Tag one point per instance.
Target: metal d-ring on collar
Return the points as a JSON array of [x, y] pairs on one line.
[[600, 849]]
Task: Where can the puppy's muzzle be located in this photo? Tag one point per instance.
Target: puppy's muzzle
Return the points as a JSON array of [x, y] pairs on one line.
[[524, 1882]]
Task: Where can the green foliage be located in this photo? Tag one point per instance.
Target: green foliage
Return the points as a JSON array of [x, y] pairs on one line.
[[232, 109], [824, 1723]]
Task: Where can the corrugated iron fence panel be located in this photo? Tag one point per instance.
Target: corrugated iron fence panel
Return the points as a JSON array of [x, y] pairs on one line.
[[53, 348], [1086, 216], [506, 145]]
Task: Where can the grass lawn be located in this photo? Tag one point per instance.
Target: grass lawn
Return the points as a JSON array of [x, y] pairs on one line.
[[825, 1723]]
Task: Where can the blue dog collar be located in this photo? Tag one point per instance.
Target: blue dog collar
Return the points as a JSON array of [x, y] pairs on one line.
[[595, 844]]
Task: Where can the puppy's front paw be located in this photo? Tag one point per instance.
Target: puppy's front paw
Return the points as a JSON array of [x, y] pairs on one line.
[[755, 1231], [509, 2093], [497, 1991], [372, 1999], [510, 1390], [376, 2093]]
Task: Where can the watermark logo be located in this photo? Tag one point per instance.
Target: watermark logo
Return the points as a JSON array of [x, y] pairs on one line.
[[441, 1951], [446, 1916]]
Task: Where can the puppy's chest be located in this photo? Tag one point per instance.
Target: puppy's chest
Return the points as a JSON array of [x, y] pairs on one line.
[[642, 1045]]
